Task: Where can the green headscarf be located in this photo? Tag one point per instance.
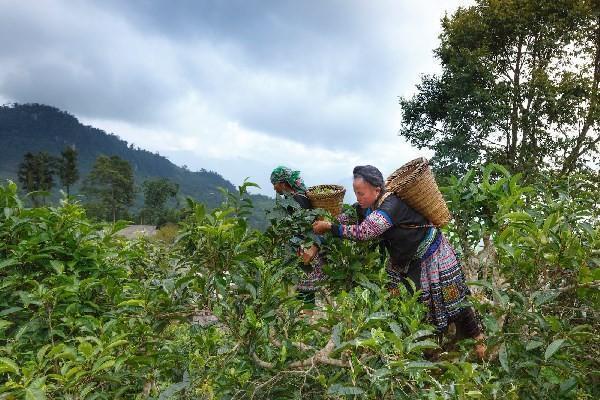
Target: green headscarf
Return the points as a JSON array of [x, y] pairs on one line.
[[292, 178]]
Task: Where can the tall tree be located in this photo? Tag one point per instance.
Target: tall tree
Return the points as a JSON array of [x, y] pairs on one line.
[[27, 173], [67, 168], [110, 186], [36, 174], [156, 194], [519, 86]]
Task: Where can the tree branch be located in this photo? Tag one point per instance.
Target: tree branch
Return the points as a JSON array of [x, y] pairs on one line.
[[588, 285], [320, 357], [577, 151]]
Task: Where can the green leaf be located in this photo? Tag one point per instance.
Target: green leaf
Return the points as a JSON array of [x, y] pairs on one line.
[[533, 344], [553, 348], [545, 296], [34, 393], [518, 216], [491, 324], [132, 302], [567, 385], [283, 353], [377, 316], [425, 344], [503, 356], [395, 328], [58, 266], [105, 365], [336, 334], [344, 390], [86, 349], [420, 365], [364, 282], [72, 371], [4, 324], [251, 317], [42, 352], [421, 333], [8, 365], [171, 390], [116, 343], [365, 296], [8, 262]]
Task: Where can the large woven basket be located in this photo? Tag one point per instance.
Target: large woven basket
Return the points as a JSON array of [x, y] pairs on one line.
[[415, 184], [328, 197]]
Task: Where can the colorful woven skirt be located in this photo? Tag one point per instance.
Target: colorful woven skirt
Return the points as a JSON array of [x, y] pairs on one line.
[[442, 283], [311, 280]]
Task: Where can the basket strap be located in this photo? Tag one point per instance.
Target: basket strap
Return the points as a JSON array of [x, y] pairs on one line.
[[379, 202], [408, 226]]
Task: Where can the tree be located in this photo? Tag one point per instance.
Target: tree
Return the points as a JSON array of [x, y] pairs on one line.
[[156, 194], [36, 174], [110, 186], [519, 86], [67, 168], [27, 172]]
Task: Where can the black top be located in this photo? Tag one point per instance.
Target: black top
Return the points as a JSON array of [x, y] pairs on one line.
[[400, 240], [303, 201]]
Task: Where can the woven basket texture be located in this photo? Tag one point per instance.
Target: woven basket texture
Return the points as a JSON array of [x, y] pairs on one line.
[[328, 197], [415, 184]]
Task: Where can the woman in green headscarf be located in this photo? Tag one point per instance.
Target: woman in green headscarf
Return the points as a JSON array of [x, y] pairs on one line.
[[288, 182]]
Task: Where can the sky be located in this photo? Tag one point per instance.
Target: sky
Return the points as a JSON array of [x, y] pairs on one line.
[[237, 87]]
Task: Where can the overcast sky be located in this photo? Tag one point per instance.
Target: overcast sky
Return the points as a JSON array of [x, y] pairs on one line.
[[237, 87]]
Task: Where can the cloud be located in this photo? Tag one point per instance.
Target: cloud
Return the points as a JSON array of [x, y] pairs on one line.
[[232, 86]]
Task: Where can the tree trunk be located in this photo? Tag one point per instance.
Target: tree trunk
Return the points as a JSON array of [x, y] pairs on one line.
[[577, 151], [514, 116]]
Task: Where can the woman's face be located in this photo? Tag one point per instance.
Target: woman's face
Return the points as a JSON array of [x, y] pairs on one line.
[[366, 194], [282, 187]]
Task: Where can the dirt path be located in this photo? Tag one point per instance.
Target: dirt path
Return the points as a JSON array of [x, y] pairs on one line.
[[134, 231]]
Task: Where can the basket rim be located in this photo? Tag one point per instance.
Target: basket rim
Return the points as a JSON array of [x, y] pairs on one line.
[[410, 181], [337, 191], [421, 164]]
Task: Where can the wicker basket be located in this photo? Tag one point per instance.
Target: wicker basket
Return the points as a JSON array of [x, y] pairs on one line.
[[331, 201], [415, 184]]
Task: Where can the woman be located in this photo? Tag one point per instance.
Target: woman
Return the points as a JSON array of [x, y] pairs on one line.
[[288, 183], [418, 251]]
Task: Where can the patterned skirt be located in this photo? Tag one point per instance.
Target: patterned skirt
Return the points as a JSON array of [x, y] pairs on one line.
[[311, 280], [442, 283], [441, 279]]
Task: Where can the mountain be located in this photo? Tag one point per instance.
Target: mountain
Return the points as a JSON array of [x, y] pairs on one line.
[[37, 127]]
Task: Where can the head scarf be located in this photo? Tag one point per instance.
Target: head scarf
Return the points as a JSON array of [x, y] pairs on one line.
[[370, 174], [292, 178]]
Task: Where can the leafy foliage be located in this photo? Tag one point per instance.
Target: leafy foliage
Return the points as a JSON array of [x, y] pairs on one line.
[[85, 314], [36, 173], [67, 168], [110, 187], [519, 86], [156, 194], [37, 127]]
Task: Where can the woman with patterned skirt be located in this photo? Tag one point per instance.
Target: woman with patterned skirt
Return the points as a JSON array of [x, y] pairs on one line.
[[418, 251], [288, 183]]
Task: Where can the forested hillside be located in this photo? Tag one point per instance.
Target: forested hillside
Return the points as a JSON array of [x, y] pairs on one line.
[[36, 127]]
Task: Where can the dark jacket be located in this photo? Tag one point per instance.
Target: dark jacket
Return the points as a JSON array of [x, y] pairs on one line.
[[303, 201], [401, 240]]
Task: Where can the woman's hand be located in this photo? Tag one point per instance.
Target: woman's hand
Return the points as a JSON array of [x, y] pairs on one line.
[[480, 347], [320, 227], [308, 254]]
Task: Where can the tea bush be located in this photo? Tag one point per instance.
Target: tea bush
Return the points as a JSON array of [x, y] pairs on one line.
[[85, 314]]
